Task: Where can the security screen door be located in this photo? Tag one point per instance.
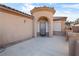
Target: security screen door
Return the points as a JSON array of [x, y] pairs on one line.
[[43, 28]]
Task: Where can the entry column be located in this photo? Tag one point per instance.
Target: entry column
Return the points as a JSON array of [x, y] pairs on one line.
[[50, 28], [35, 28]]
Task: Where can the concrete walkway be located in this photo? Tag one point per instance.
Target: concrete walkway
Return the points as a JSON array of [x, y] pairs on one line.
[[40, 46]]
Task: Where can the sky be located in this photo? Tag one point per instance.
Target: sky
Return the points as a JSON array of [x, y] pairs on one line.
[[70, 10]]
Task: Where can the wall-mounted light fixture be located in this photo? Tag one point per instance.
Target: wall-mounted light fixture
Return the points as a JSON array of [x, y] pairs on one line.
[[24, 21]]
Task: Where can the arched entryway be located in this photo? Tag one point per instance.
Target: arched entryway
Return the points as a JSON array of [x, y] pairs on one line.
[[43, 26]]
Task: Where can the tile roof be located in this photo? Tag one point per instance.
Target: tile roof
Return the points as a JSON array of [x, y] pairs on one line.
[[57, 18], [14, 10]]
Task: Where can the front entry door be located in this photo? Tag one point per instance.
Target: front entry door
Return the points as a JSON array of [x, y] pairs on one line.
[[43, 28]]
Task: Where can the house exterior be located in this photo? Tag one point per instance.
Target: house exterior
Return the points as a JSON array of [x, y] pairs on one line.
[[17, 26]]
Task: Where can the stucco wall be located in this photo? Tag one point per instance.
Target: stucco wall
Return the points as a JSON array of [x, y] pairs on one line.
[[14, 28], [63, 26], [43, 13]]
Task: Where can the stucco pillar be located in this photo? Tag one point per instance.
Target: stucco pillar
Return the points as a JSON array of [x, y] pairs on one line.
[[35, 28], [50, 28]]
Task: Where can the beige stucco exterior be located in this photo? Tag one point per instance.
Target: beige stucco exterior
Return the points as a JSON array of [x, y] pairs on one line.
[[37, 15], [16, 26], [43, 12]]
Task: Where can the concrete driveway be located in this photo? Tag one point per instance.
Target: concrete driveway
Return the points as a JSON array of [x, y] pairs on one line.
[[40, 46]]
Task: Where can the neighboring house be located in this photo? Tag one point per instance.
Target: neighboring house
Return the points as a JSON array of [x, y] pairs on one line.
[[76, 28], [17, 26]]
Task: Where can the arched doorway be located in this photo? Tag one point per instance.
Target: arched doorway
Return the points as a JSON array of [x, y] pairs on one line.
[[43, 26]]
